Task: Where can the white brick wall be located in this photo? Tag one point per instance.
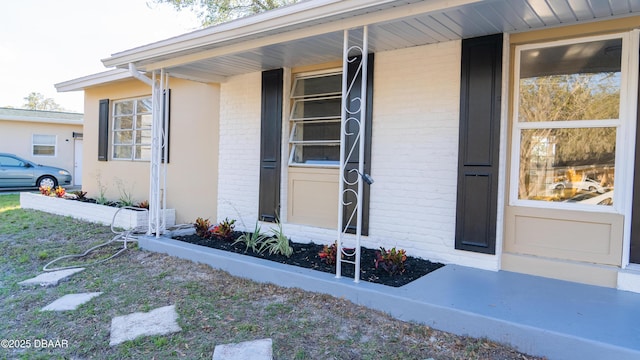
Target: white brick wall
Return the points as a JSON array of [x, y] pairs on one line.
[[414, 155], [239, 161]]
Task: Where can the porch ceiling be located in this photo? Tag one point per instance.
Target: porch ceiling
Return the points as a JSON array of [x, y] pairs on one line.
[[209, 56]]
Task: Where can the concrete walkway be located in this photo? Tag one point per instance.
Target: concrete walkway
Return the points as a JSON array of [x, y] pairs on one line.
[[538, 316]]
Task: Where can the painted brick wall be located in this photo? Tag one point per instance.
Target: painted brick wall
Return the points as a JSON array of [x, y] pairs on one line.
[[414, 155], [239, 159]]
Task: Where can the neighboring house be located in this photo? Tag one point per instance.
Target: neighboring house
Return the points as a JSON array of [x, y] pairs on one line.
[[474, 108], [50, 138]]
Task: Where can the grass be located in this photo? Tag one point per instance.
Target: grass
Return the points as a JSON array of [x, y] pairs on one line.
[[213, 306]]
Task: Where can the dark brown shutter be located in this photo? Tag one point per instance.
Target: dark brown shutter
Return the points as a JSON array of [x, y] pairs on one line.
[[634, 251], [103, 130], [476, 208], [352, 162], [167, 99], [270, 143]]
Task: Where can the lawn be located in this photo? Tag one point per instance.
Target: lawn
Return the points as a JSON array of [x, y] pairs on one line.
[[213, 306]]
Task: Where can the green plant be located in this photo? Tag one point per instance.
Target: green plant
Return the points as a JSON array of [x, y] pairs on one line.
[[102, 191], [252, 240], [329, 253], [278, 243], [126, 199], [392, 261], [202, 227], [224, 229]]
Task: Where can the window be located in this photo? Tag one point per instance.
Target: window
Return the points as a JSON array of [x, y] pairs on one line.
[[44, 145], [132, 129], [315, 119], [567, 120]]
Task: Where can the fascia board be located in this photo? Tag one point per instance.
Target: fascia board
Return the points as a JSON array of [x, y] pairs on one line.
[[93, 80], [42, 120], [289, 17]]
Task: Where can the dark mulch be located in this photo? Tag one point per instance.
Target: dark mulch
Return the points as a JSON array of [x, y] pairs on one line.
[[306, 256]]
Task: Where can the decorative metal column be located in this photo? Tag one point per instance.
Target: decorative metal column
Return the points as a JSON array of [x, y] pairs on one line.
[[157, 174], [353, 111]]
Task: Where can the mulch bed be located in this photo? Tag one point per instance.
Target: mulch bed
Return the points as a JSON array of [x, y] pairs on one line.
[[306, 256]]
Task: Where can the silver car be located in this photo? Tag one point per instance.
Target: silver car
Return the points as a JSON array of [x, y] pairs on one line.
[[17, 172]]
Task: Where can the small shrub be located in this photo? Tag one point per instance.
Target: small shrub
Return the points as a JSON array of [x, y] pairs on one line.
[[392, 261], [202, 227], [329, 253], [224, 229], [252, 240], [278, 243], [80, 195], [45, 190], [60, 191]]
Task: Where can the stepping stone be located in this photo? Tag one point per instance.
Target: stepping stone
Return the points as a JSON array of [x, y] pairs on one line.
[[248, 350], [70, 302], [160, 321], [51, 278]]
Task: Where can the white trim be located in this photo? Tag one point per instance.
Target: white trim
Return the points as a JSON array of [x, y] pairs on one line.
[[93, 80], [630, 143]]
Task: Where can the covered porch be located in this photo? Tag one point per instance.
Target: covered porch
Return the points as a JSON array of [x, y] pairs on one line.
[[538, 316]]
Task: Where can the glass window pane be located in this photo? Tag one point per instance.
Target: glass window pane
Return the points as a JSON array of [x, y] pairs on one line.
[[122, 152], [564, 164], [123, 137], [44, 150], [143, 121], [44, 139], [316, 154], [10, 161], [143, 136], [571, 82], [319, 131], [144, 106], [322, 108], [317, 85], [123, 122], [143, 152], [123, 107]]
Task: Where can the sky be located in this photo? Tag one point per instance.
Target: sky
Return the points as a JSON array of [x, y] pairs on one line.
[[44, 42]]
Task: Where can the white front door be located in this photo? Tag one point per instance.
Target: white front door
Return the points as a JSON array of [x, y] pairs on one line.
[[77, 162]]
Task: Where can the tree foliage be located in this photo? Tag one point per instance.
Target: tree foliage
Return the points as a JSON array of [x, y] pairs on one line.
[[37, 101], [581, 96], [212, 12]]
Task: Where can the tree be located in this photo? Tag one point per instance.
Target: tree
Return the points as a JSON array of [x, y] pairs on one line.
[[212, 12], [36, 101]]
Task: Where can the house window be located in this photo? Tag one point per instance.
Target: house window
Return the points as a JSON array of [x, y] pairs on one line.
[[567, 120], [132, 129], [315, 119], [43, 145]]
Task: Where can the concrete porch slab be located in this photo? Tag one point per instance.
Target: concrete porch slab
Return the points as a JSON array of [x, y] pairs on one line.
[[51, 278], [538, 316], [70, 301], [160, 321], [249, 350]]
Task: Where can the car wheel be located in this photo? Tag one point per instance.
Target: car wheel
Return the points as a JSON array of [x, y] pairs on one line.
[[49, 181], [560, 187]]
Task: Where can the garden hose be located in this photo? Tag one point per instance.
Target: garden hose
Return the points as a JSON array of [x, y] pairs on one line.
[[122, 236]]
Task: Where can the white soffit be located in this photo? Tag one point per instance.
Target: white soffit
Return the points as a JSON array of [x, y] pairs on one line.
[[310, 32]]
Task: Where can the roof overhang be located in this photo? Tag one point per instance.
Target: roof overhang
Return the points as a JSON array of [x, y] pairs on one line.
[[311, 32], [94, 80]]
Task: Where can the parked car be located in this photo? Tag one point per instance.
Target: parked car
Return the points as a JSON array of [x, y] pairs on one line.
[[584, 185], [17, 172], [593, 198]]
